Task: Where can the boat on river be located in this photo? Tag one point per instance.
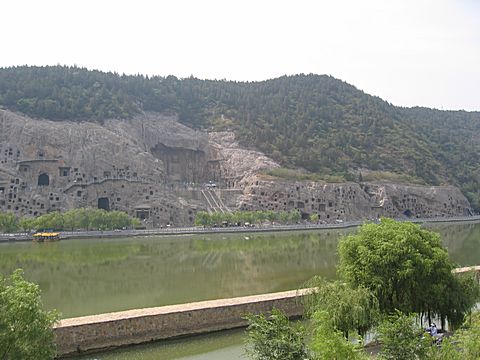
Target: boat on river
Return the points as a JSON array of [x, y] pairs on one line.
[[46, 236]]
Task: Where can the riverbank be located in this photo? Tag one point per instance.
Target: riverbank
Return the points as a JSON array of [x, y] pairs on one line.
[[219, 230]]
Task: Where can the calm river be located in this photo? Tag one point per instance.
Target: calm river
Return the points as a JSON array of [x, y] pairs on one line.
[[91, 276]]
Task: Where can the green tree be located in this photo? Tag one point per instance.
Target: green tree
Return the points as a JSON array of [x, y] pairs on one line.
[[328, 343], [295, 216], [271, 215], [79, 219], [348, 308], [202, 218], [313, 217], [25, 328], [8, 222], [466, 341], [135, 223], [402, 339], [274, 338], [461, 295], [405, 267], [283, 217], [50, 221], [70, 219], [118, 220], [97, 219], [26, 224], [464, 344], [83, 219]]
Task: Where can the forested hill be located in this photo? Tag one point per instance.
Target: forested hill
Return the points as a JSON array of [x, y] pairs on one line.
[[312, 121]]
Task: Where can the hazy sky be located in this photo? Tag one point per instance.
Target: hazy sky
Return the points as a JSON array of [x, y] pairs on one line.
[[409, 52]]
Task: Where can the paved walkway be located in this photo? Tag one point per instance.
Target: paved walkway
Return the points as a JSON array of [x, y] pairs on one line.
[[239, 229]]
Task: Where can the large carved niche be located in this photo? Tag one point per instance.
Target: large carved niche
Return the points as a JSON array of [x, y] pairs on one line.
[[182, 164]]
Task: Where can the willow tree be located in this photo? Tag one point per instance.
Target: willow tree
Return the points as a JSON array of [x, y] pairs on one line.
[[328, 343], [407, 269], [274, 338], [349, 309]]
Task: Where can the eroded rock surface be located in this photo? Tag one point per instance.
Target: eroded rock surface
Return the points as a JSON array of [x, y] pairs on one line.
[[352, 201], [155, 168]]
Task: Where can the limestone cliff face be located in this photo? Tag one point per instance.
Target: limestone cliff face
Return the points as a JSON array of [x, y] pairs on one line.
[[46, 165], [95, 151], [181, 150], [352, 201], [153, 167]]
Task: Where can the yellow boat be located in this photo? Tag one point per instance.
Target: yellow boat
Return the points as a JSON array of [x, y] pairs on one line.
[[53, 236]]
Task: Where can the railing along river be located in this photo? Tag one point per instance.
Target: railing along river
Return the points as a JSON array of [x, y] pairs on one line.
[[233, 229]]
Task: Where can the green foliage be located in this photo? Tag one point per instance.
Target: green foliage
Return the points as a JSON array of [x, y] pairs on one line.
[[203, 218], [25, 328], [314, 122], [464, 344], [25, 224], [348, 308], [402, 339], [406, 268], [461, 294], [88, 219], [295, 216], [328, 343], [391, 176], [295, 175], [274, 338], [8, 222]]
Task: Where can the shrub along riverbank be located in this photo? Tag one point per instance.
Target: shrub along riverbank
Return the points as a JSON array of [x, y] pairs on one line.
[[247, 217], [85, 219]]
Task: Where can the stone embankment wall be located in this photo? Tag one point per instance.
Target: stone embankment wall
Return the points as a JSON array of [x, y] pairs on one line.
[[97, 332]]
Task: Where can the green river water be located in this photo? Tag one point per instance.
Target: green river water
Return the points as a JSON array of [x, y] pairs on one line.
[[91, 276]]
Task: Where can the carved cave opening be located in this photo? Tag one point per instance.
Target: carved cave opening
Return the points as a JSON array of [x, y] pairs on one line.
[[142, 214], [104, 203], [407, 213], [43, 180], [182, 164], [64, 171]]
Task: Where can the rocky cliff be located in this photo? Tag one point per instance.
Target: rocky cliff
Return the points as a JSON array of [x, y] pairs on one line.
[[155, 168], [352, 201]]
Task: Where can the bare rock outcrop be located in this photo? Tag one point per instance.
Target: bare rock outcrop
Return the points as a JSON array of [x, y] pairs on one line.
[[352, 201], [96, 151], [238, 163], [155, 168], [47, 165]]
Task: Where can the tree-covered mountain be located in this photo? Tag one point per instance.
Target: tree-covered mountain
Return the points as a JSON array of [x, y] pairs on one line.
[[311, 121]]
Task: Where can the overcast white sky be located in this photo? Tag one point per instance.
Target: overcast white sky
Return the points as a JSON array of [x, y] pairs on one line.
[[408, 52]]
